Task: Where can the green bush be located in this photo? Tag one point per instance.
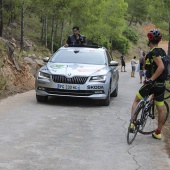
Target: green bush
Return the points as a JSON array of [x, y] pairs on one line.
[[3, 84], [121, 44], [131, 35]]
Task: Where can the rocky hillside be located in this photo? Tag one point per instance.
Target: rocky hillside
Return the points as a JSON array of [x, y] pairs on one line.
[[18, 69]]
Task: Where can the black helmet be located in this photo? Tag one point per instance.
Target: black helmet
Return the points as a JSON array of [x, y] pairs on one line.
[[154, 35]]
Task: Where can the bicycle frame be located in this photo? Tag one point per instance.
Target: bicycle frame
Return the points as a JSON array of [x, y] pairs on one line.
[[148, 104]]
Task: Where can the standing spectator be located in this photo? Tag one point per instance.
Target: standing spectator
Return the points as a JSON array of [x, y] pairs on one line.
[[141, 65], [122, 58], [140, 55], [133, 62], [141, 52], [143, 73]]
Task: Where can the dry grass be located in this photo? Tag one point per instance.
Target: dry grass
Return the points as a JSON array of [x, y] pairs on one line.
[[3, 84]]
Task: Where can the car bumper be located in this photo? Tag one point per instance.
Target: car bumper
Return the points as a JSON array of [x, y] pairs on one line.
[[93, 90]]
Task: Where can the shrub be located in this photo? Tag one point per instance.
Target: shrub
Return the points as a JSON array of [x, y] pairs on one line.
[[121, 44], [3, 84], [131, 35]]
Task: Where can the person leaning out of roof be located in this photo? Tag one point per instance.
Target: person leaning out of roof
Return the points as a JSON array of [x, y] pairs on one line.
[[75, 38]]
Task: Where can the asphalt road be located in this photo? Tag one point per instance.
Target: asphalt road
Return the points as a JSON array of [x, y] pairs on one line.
[[74, 134]]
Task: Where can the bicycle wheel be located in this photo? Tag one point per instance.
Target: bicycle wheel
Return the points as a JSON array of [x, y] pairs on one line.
[[151, 122], [136, 116]]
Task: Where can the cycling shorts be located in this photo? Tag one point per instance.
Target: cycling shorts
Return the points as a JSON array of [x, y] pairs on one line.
[[141, 66], [158, 89]]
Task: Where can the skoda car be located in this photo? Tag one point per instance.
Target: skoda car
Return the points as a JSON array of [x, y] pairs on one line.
[[78, 71]]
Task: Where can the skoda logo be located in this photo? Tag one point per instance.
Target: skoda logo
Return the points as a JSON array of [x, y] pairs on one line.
[[69, 74]]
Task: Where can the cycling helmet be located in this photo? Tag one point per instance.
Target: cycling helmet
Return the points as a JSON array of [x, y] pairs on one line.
[[154, 35]]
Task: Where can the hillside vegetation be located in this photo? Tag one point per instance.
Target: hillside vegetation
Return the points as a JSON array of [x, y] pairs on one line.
[[107, 23], [32, 29], [18, 68]]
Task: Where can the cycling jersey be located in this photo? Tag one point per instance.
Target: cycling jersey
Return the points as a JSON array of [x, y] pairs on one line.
[[150, 65]]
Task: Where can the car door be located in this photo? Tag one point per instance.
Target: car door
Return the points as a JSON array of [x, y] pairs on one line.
[[114, 72]]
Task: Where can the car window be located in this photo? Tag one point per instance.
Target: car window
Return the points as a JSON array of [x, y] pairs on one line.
[[83, 56], [109, 57]]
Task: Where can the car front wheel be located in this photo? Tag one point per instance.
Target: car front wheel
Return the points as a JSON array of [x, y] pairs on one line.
[[41, 98], [105, 102], [115, 92]]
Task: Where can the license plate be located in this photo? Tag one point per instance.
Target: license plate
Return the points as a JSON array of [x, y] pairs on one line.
[[68, 86]]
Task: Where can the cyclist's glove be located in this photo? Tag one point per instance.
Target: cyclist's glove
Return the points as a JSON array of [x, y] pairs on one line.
[[149, 82]]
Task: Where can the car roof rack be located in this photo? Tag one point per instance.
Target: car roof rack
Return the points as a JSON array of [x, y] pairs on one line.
[[81, 45]]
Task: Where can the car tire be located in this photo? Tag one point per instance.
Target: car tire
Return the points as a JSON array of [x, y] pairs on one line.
[[115, 92], [41, 98], [105, 102]]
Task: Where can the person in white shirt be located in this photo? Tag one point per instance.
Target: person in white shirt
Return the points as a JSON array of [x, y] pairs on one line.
[[133, 62]]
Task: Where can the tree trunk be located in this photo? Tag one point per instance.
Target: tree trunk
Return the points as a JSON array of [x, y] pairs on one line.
[[131, 21], [136, 21], [1, 18], [42, 29], [55, 34], [46, 27], [10, 18], [70, 21], [169, 41], [52, 34], [61, 34], [22, 26], [111, 47]]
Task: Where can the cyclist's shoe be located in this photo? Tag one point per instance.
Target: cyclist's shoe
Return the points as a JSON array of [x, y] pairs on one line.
[[156, 136], [132, 128]]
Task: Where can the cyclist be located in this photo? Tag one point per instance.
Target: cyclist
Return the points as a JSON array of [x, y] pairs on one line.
[[154, 83]]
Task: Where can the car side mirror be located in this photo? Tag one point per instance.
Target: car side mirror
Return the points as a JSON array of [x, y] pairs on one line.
[[113, 63], [46, 59]]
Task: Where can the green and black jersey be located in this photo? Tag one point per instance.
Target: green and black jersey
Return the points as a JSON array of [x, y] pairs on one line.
[[150, 65]]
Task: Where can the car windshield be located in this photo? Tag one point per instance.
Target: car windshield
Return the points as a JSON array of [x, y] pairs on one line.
[[81, 56]]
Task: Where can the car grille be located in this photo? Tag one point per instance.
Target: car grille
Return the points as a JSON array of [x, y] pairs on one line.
[[70, 92], [73, 80]]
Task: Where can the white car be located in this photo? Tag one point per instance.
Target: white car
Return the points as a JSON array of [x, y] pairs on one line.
[[78, 71]]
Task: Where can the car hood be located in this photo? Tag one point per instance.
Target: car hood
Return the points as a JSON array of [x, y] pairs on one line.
[[73, 69]]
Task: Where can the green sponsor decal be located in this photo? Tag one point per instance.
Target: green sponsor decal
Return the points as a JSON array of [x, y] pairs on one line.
[[57, 66]]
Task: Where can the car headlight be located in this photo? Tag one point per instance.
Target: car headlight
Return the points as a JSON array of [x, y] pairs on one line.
[[98, 78], [42, 75]]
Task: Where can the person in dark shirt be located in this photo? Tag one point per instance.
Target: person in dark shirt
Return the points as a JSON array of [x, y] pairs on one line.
[[75, 38], [123, 65], [141, 65]]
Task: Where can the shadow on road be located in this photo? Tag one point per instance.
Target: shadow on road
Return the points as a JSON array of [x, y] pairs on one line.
[[69, 101]]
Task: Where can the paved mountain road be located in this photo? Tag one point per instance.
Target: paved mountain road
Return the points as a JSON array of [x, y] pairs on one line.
[[74, 134]]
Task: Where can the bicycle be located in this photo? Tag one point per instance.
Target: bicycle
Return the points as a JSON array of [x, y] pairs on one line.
[[144, 118]]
